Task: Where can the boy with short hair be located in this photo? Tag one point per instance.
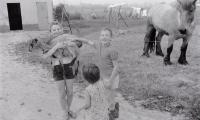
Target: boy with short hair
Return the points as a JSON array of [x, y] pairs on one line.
[[108, 58]]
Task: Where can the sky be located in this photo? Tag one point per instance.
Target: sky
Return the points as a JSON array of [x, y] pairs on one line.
[[78, 2]]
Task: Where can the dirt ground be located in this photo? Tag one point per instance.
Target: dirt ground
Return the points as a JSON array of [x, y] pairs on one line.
[[28, 91]]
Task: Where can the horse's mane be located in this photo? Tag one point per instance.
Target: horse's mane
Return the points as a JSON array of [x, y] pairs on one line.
[[186, 4], [184, 7], [183, 4]]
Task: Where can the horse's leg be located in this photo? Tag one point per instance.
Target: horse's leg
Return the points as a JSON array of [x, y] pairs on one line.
[[169, 50], [149, 35], [182, 59], [158, 46]]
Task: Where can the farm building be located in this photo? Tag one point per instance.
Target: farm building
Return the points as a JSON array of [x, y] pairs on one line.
[[25, 14]]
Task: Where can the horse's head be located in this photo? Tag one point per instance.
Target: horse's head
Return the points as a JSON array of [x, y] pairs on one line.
[[188, 5], [187, 8]]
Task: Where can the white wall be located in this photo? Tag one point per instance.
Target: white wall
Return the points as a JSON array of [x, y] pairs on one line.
[[3, 13], [50, 8], [28, 11]]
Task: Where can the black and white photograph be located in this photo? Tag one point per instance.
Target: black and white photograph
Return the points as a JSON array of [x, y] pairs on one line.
[[99, 59]]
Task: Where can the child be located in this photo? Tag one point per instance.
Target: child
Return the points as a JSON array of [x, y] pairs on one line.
[[96, 104], [107, 57], [64, 60], [64, 57]]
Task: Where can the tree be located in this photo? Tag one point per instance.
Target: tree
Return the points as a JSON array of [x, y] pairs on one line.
[[57, 13]]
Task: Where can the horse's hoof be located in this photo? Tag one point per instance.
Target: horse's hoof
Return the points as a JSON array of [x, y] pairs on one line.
[[159, 54], [168, 63], [146, 55], [184, 62]]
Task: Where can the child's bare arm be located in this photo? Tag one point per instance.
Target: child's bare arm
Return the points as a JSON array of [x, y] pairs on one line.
[[50, 52], [115, 73], [58, 45], [86, 41], [111, 81]]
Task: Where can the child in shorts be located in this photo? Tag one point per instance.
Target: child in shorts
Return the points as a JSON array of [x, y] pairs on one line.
[[64, 57]]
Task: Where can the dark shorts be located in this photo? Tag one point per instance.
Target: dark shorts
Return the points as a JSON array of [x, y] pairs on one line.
[[58, 73], [66, 71], [71, 69], [69, 73]]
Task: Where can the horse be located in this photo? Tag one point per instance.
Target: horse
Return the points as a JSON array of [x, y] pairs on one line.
[[176, 20]]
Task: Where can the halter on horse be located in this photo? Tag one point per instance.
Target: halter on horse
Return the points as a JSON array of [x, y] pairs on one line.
[[174, 19]]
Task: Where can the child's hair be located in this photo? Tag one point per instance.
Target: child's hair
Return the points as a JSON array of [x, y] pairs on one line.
[[109, 30], [78, 43], [54, 23], [91, 73]]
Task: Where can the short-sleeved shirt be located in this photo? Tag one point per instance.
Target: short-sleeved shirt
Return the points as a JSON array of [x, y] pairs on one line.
[[99, 102], [106, 57]]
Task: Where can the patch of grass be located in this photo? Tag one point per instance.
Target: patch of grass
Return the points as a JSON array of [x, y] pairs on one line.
[[23, 55], [166, 88], [194, 109]]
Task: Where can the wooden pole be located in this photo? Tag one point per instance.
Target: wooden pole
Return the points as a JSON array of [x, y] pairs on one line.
[[69, 25], [119, 14]]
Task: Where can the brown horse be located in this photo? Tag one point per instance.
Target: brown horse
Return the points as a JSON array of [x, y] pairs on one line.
[[175, 19]]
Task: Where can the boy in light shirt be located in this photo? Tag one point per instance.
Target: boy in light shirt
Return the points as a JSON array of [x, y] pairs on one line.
[[107, 59]]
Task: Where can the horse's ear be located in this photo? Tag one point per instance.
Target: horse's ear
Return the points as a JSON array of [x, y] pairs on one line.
[[194, 2], [179, 1], [36, 40]]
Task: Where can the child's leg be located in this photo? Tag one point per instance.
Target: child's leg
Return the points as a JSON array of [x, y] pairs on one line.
[[115, 86], [112, 99], [69, 91], [62, 94], [114, 105]]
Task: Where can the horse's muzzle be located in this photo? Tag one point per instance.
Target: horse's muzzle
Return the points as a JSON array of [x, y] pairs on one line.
[[183, 31]]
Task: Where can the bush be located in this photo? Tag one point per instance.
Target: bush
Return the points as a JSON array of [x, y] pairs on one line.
[[57, 13]]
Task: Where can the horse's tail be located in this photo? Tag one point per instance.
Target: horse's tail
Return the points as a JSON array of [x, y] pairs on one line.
[[149, 39], [152, 38], [150, 35]]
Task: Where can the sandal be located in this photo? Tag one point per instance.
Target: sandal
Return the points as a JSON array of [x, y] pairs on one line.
[[71, 115], [113, 114]]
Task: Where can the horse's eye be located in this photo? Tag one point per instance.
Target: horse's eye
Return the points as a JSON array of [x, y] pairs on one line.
[[36, 40], [191, 10]]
